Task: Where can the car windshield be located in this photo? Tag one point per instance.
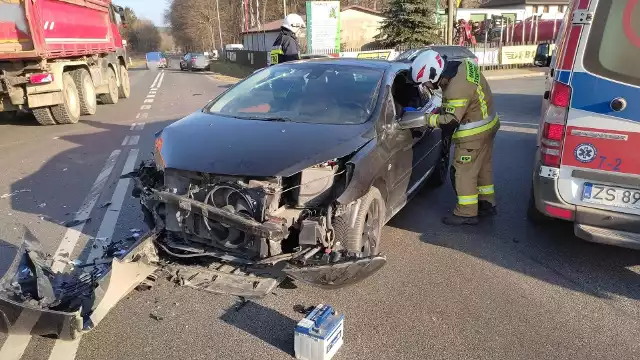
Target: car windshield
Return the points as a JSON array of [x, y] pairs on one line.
[[304, 92]]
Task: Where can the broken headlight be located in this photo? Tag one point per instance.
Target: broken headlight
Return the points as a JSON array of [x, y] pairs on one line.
[[157, 152]]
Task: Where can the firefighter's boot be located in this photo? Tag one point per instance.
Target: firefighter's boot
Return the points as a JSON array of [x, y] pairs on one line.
[[486, 209], [455, 220]]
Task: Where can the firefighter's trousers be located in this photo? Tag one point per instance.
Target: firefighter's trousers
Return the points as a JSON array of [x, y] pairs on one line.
[[472, 175]]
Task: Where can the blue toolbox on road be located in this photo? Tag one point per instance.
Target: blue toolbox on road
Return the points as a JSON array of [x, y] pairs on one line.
[[319, 335]]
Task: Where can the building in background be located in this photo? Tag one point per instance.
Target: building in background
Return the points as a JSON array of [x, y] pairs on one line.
[[359, 26], [547, 9]]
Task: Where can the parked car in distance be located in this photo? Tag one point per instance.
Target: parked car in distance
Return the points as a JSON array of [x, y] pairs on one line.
[[194, 61], [304, 161], [156, 60], [451, 52]]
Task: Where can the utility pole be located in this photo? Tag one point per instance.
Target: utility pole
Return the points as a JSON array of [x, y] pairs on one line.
[[284, 7], [450, 20]]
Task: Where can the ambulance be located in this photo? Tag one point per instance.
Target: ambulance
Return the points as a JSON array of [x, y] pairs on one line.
[[587, 167]]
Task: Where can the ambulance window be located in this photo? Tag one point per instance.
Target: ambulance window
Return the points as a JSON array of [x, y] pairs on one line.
[[613, 46]]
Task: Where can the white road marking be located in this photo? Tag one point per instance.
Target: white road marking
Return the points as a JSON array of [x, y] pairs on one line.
[[524, 130], [125, 141], [144, 116], [153, 85], [108, 225], [15, 345], [72, 235], [151, 95], [137, 117], [161, 79], [154, 90], [138, 126], [53, 23], [518, 123], [66, 350], [145, 107], [133, 141], [148, 100]]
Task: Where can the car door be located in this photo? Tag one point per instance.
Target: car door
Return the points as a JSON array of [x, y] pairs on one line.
[[409, 151], [425, 141], [396, 147]]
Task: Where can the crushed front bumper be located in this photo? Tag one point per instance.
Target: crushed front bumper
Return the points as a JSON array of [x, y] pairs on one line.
[[22, 314]]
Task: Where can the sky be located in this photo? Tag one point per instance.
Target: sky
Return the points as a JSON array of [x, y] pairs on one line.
[[150, 9]]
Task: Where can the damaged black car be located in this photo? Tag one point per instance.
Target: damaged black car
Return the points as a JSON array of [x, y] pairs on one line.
[[291, 172]]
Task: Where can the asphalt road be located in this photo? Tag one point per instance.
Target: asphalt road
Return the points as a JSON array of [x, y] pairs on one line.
[[503, 290]]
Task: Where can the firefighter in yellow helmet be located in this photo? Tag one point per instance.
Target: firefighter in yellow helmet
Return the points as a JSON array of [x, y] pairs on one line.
[[467, 110]]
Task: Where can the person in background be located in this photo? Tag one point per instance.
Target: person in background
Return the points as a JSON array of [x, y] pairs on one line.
[[286, 47]]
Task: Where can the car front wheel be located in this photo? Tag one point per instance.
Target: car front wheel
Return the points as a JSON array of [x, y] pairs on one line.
[[364, 237]]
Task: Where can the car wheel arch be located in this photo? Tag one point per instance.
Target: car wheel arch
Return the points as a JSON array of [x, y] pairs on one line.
[[367, 170]]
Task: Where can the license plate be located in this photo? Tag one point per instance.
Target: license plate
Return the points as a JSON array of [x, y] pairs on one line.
[[611, 195]]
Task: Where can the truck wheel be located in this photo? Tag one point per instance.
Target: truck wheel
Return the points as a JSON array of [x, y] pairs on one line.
[[124, 91], [364, 237], [69, 111], [112, 96], [43, 116], [86, 91]]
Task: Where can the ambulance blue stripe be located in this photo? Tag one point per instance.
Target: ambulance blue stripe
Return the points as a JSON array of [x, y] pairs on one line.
[[594, 94], [562, 76]]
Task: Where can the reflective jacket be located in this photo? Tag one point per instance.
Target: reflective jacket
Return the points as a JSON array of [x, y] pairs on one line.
[[467, 102], [285, 48]]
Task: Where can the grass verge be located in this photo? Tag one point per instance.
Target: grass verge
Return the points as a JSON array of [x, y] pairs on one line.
[[228, 71]]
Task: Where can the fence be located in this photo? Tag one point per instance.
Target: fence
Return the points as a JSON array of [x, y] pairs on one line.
[[489, 57]]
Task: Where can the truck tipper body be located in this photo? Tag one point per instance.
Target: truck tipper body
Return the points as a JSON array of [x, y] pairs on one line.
[[59, 57]]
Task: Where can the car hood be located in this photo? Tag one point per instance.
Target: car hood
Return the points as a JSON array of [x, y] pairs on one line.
[[225, 145]]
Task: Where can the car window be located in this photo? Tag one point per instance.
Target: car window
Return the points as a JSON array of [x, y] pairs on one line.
[[304, 92], [614, 41]]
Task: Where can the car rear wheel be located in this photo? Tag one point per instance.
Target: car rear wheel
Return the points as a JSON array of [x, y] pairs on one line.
[[364, 237]]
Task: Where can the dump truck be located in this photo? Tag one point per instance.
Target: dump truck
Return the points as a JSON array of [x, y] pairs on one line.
[[58, 58]]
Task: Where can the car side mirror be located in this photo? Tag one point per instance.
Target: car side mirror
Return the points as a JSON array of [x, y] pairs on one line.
[[542, 58], [412, 120]]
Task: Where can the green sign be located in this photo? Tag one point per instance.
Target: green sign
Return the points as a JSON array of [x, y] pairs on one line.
[[323, 25]]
